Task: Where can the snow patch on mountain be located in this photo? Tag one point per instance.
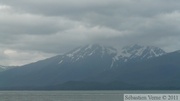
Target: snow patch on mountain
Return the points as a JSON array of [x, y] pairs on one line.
[[89, 47], [141, 52], [60, 62], [73, 53], [2, 67]]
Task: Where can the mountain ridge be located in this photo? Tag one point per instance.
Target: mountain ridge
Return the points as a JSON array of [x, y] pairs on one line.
[[123, 55], [97, 64]]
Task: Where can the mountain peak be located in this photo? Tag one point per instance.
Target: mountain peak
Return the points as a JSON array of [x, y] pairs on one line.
[[139, 52], [89, 51], [92, 46]]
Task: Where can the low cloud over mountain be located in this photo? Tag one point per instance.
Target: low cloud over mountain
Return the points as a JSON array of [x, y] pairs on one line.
[[51, 27]]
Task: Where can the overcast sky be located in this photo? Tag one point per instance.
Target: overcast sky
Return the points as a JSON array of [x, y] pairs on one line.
[[31, 30]]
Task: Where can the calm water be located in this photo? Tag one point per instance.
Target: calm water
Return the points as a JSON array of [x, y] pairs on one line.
[[72, 95]]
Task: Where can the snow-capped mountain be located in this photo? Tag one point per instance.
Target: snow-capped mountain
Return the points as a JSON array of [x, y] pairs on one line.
[[90, 50], [95, 63], [130, 53]]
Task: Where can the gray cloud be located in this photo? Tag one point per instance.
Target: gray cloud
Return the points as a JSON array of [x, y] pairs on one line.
[[50, 27], [26, 23]]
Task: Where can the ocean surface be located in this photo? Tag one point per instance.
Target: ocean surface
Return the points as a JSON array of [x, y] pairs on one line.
[[72, 95]]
